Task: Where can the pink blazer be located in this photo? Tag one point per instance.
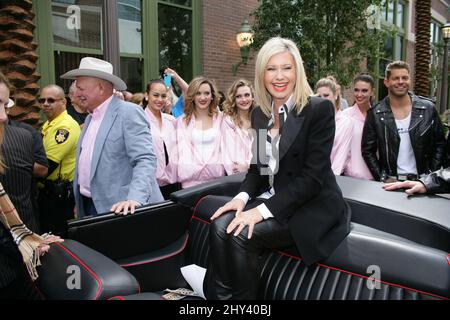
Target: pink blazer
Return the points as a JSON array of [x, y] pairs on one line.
[[192, 169], [340, 154], [165, 174], [236, 145], [356, 166]]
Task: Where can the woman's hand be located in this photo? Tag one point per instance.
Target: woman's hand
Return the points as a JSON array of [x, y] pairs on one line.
[[171, 72], [239, 167], [247, 218], [45, 244], [410, 187], [235, 204]]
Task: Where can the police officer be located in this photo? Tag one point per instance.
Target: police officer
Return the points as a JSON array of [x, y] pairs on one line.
[[60, 135]]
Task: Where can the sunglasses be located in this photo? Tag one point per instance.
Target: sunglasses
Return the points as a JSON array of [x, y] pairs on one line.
[[49, 100]]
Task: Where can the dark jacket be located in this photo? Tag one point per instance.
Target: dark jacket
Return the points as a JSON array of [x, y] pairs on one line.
[[10, 258], [438, 181], [307, 196], [448, 151], [381, 141]]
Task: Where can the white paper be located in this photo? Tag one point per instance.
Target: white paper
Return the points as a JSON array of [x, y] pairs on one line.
[[195, 275]]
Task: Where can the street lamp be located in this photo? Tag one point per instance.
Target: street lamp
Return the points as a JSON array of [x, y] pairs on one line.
[[244, 38], [444, 87]]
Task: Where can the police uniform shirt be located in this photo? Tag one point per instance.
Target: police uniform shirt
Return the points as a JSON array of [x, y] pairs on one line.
[[60, 138]]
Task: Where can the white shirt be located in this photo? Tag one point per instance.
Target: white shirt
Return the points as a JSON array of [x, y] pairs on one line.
[[406, 161], [204, 141], [273, 163]]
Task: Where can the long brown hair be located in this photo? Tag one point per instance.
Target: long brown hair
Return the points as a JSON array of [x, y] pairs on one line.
[[189, 100], [230, 107]]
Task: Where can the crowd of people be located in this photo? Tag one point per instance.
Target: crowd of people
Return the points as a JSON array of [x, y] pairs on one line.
[[104, 149]]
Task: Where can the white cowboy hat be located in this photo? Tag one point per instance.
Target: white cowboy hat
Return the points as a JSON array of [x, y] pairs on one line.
[[93, 67]]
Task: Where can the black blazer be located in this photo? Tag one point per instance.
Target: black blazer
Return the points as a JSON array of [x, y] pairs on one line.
[[307, 196]]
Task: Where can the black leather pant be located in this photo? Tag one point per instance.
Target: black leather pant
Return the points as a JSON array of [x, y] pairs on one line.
[[234, 272]]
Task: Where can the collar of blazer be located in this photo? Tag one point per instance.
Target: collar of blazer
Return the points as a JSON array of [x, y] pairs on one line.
[[103, 132], [291, 128]]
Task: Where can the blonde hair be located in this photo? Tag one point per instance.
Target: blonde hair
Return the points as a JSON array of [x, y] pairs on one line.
[[331, 83], [396, 65], [230, 107], [302, 90], [189, 100]]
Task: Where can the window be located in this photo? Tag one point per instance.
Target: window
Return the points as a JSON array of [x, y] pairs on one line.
[[72, 43], [175, 39], [436, 57], [90, 28], [393, 13], [153, 34], [130, 41]]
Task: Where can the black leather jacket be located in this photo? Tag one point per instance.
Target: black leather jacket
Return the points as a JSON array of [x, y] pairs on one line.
[[381, 141], [438, 181]]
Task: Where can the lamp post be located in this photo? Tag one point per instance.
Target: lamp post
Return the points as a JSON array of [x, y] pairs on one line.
[[244, 38], [444, 87]]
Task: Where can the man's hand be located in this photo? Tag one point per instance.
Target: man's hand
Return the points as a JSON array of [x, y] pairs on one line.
[[410, 187], [123, 206], [247, 218]]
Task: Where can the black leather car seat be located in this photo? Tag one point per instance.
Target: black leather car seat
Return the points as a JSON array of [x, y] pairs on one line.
[[404, 270], [72, 271]]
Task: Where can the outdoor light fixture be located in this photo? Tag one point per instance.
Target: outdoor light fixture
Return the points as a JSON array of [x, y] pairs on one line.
[[444, 82], [244, 38]]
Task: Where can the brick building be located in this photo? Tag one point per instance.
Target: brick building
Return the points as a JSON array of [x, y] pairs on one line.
[[192, 36]]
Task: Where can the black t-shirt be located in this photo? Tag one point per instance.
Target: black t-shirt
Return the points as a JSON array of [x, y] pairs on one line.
[[77, 116]]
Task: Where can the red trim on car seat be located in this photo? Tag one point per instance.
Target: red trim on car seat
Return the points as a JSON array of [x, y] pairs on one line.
[[200, 219], [159, 258], [100, 284], [196, 206], [348, 272], [117, 298], [365, 277]]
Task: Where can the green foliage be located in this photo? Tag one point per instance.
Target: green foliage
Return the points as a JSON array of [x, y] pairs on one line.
[[332, 36]]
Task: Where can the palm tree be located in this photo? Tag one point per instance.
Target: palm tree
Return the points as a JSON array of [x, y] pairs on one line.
[[422, 53], [18, 57]]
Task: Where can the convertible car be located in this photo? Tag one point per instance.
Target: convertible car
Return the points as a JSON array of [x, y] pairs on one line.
[[397, 250]]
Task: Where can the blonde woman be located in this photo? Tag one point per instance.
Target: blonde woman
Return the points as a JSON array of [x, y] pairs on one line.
[[237, 140], [301, 203], [199, 133], [340, 154]]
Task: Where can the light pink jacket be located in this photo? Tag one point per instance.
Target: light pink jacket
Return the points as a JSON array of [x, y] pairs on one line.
[[165, 174], [236, 145], [340, 154], [356, 166], [192, 169]]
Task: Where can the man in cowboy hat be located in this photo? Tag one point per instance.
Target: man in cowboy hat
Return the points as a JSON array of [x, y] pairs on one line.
[[115, 166]]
